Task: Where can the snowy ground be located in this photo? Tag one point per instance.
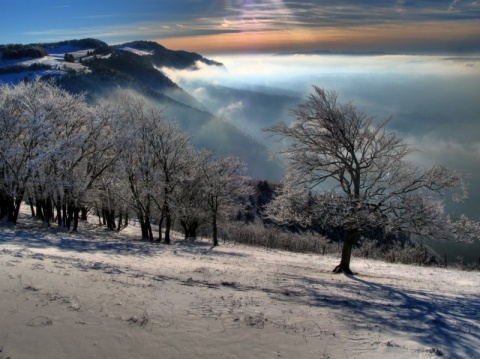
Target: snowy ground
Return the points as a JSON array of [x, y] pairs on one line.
[[55, 60], [104, 295]]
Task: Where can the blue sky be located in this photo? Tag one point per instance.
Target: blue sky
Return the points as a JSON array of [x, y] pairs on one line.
[[405, 26]]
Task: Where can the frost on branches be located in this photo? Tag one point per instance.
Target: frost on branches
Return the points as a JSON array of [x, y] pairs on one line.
[[52, 148], [118, 158], [371, 183]]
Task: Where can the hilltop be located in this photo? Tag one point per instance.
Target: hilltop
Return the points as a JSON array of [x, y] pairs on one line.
[[93, 67]]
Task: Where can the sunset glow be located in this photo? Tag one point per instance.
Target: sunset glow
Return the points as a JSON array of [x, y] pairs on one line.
[[390, 38], [241, 26]]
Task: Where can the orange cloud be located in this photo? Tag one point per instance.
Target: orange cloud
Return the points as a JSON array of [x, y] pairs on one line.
[[239, 42], [391, 37]]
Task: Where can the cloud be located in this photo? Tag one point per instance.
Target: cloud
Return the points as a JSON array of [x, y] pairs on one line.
[[453, 4], [228, 113], [269, 25], [433, 99], [399, 6], [435, 148], [225, 23]]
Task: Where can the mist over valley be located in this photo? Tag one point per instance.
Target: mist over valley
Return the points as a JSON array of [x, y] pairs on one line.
[[225, 102]]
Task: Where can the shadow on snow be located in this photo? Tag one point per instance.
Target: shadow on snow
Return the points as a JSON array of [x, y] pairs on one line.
[[86, 242], [442, 322], [70, 242]]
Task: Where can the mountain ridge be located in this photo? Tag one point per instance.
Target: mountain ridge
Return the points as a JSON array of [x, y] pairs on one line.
[[99, 70], [161, 56]]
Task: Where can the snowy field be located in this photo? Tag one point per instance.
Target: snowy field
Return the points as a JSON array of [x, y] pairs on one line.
[[55, 60], [98, 294]]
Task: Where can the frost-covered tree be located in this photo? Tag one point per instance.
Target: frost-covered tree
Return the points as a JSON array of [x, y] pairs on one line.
[[174, 158], [62, 168], [157, 157], [102, 153], [223, 182], [191, 196], [370, 181], [53, 148], [36, 118], [22, 133], [137, 163]]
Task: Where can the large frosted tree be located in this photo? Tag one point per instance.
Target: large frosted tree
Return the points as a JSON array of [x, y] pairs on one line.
[[348, 171]]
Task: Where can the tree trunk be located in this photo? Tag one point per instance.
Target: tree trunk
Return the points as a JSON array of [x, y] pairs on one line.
[[84, 215], [47, 209], [3, 206], [168, 226], [69, 218], [192, 232], [215, 230], [76, 218], [167, 214], [59, 216], [143, 226], [40, 206], [32, 209], [111, 219], [10, 208], [120, 219], [160, 224], [183, 224], [104, 216], [16, 211], [64, 214], [99, 215], [344, 266], [148, 225], [190, 228]]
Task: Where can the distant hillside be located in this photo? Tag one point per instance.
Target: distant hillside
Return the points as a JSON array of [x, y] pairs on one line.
[[163, 57], [100, 71], [16, 52], [95, 45], [140, 69], [251, 110]]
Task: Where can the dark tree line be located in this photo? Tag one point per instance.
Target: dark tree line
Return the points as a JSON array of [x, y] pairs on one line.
[[16, 52]]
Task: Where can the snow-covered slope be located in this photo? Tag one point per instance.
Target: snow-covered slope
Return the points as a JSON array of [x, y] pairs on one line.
[[103, 294], [53, 64]]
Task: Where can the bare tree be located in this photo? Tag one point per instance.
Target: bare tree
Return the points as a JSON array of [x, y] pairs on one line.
[[370, 182], [39, 122], [191, 196], [156, 159], [137, 161], [174, 157], [53, 148], [223, 181]]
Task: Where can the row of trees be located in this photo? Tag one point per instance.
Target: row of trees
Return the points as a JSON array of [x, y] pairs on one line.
[[67, 157], [16, 52], [346, 172]]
